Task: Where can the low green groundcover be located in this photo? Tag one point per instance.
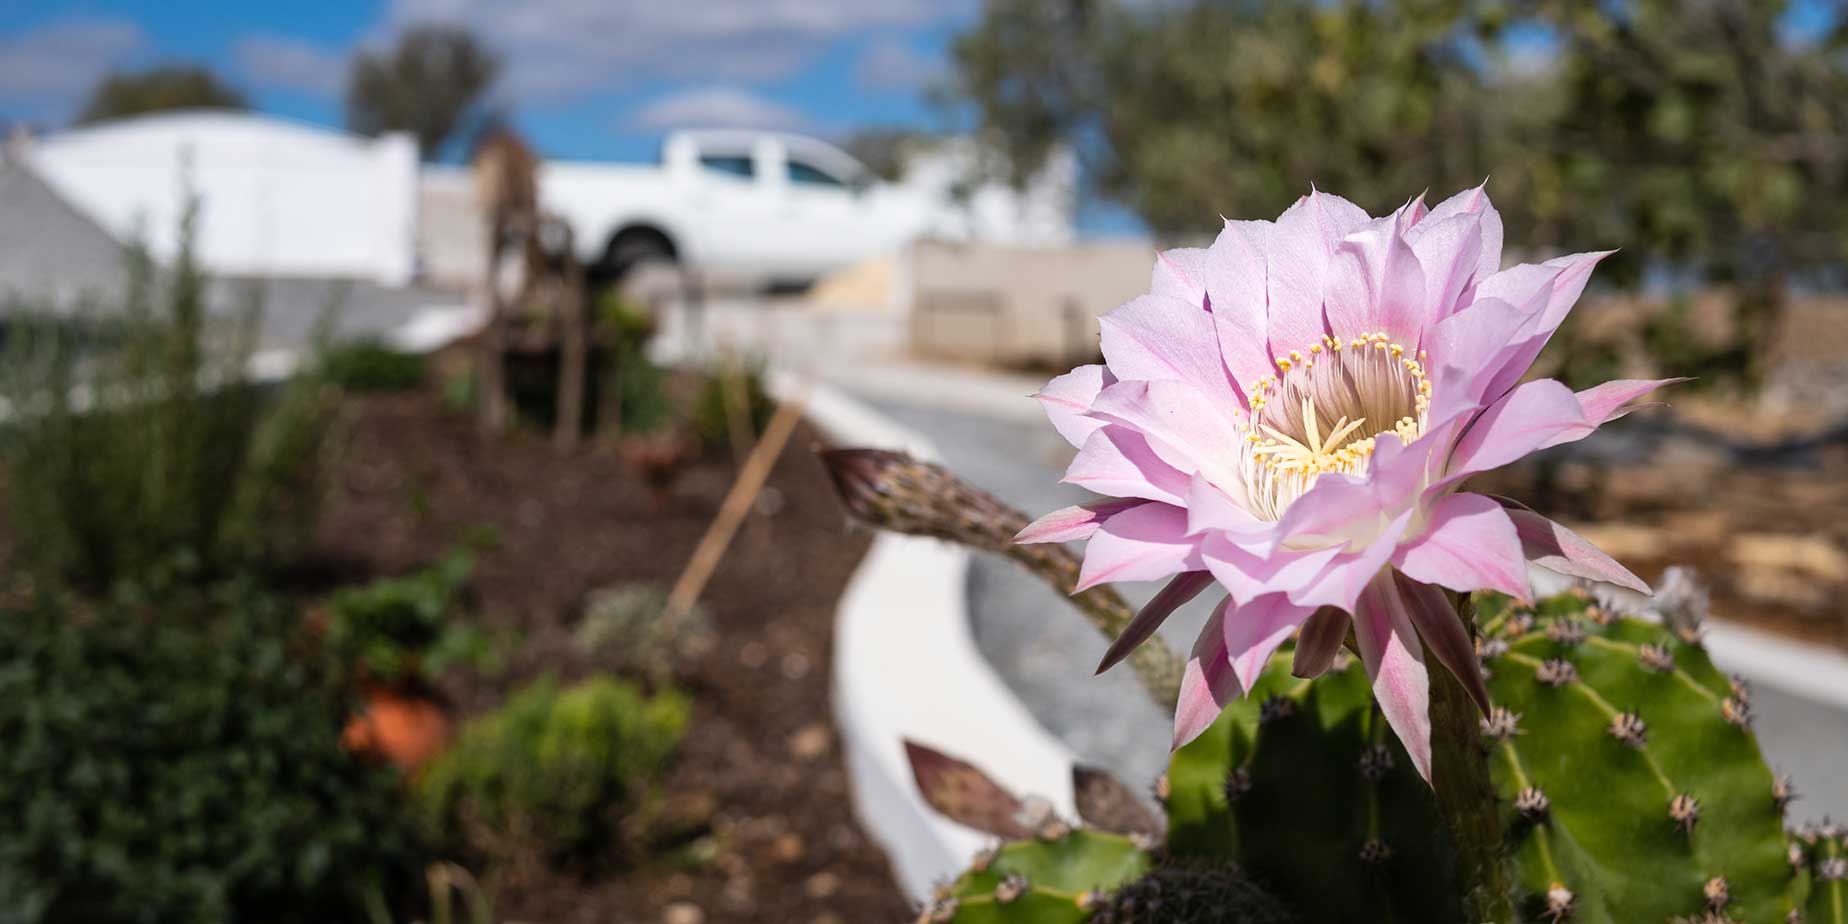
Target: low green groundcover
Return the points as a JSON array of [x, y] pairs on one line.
[[181, 762]]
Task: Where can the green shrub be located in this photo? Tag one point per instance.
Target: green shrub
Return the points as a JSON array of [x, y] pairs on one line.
[[635, 386], [405, 628], [182, 762], [552, 774], [635, 624], [147, 452], [368, 366], [711, 412]]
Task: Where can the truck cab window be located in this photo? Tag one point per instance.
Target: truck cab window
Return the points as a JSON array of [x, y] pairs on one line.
[[729, 164], [800, 172]]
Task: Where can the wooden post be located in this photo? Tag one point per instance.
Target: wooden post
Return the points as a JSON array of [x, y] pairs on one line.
[[491, 372], [737, 504], [573, 358]]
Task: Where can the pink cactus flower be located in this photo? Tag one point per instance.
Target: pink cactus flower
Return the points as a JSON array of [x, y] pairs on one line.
[[1289, 414]]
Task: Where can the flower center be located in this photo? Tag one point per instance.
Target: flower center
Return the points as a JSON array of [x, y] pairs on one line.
[[1322, 412]]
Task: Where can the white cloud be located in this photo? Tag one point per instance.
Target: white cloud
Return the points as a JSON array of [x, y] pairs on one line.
[[890, 64], [715, 107], [49, 67], [281, 62], [562, 48]]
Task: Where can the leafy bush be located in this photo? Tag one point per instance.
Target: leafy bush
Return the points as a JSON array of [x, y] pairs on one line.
[[404, 628], [551, 775], [368, 365], [718, 391], [148, 452], [181, 762], [636, 386]]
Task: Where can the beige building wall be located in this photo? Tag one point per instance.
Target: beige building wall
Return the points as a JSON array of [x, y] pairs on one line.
[[1019, 307]]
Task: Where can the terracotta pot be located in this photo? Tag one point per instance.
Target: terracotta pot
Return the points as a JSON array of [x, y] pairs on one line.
[[403, 727]]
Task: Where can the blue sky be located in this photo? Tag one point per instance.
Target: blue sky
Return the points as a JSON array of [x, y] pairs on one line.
[[585, 78]]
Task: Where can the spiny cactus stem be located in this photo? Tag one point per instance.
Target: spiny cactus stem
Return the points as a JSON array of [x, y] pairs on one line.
[[893, 491], [1617, 718], [1542, 837], [1466, 794]]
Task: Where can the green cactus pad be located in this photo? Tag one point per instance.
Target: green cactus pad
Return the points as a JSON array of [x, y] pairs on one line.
[[1822, 857], [1653, 784], [1041, 881], [1630, 782], [1290, 783]]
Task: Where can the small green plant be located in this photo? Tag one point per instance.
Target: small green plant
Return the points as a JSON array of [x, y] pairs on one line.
[[552, 775], [460, 390], [139, 448], [370, 366], [719, 390], [179, 759], [634, 386], [407, 628], [634, 623]]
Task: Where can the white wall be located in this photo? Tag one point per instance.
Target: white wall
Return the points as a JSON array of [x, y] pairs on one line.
[[277, 198]]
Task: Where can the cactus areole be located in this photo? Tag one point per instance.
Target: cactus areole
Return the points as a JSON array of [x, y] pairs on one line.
[[1290, 413]]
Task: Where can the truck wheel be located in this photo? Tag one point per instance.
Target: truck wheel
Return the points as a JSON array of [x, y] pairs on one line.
[[631, 252]]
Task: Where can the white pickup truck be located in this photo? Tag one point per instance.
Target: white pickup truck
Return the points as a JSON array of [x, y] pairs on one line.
[[743, 206]]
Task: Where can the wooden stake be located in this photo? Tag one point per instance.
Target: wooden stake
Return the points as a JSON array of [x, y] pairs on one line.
[[572, 315], [737, 505]]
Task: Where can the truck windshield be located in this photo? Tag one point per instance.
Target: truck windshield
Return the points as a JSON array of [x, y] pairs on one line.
[[800, 172], [729, 164]]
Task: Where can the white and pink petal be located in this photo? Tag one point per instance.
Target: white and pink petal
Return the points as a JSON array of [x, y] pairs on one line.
[[1075, 523], [1145, 543], [1394, 657], [1117, 461], [1207, 681], [1067, 401], [1468, 543]]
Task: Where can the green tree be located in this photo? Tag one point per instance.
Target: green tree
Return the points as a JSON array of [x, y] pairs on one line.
[[431, 84], [1704, 137], [1188, 111], [1708, 139], [883, 150], [157, 89]]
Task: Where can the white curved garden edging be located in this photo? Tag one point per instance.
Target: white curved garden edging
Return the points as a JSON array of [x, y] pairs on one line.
[[906, 666]]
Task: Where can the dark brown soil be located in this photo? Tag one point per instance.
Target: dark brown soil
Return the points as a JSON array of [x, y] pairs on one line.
[[760, 771]]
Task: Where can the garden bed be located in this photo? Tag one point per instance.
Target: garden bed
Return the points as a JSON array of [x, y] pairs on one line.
[[759, 777]]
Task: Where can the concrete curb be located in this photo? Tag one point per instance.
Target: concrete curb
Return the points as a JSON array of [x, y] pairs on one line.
[[1806, 671], [906, 666]]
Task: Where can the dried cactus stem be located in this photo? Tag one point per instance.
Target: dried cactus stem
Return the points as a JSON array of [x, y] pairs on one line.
[[893, 491], [1466, 795]]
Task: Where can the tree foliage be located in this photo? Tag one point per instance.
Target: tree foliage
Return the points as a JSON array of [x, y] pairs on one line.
[[157, 89], [1706, 131], [430, 83], [1706, 137]]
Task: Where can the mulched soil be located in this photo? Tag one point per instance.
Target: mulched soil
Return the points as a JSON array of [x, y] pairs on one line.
[[760, 770]]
